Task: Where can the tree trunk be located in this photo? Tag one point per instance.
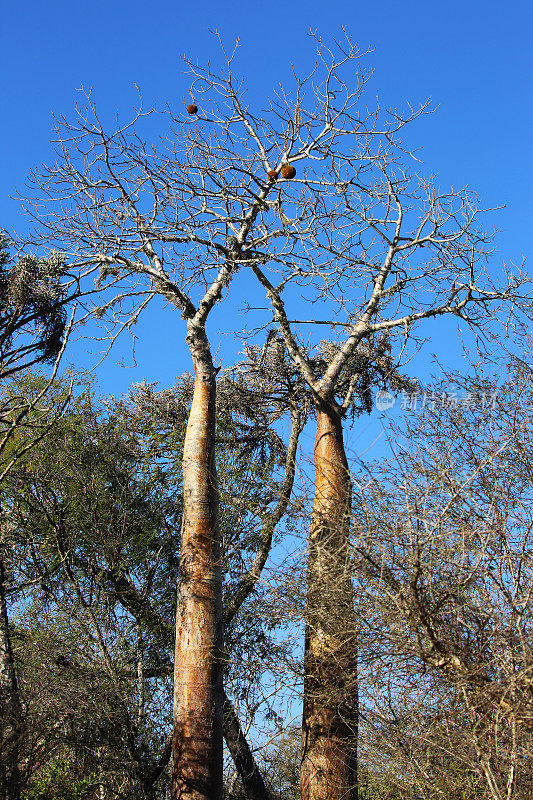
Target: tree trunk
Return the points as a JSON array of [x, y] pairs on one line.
[[198, 700], [10, 706], [238, 747], [252, 780], [330, 713]]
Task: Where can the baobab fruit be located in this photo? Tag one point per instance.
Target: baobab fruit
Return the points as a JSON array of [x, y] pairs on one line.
[[192, 109], [272, 175], [288, 171]]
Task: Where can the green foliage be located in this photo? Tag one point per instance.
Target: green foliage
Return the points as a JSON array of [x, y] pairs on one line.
[[57, 780], [93, 519]]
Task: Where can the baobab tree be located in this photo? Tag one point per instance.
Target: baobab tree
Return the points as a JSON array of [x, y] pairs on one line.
[[176, 221], [317, 188], [371, 266], [381, 248], [169, 222]]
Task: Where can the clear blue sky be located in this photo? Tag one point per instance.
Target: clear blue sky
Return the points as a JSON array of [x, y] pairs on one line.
[[473, 58]]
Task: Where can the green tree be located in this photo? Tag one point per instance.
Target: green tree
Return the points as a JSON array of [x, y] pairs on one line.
[[32, 331], [79, 504], [93, 514]]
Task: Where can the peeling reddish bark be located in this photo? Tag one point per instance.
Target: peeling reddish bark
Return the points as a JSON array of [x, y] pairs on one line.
[[198, 698], [329, 724]]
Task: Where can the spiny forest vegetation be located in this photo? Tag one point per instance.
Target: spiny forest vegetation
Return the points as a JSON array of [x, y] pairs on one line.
[[186, 610]]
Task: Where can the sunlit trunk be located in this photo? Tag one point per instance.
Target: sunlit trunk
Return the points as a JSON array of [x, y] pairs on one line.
[[198, 699], [10, 709], [329, 725]]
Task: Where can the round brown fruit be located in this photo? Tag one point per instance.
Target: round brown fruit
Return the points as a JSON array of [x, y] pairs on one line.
[[272, 175], [288, 171], [192, 109]]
